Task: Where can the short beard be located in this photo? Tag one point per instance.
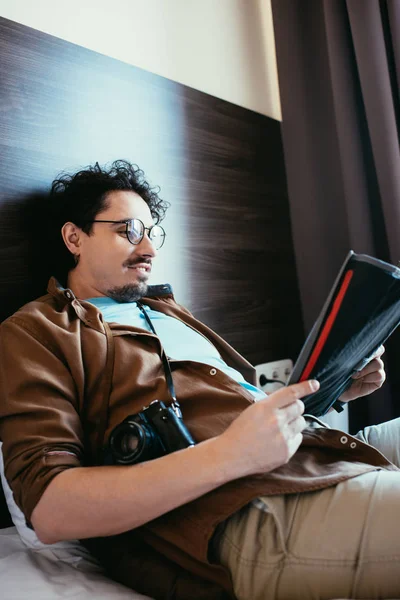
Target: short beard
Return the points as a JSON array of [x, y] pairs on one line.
[[128, 293]]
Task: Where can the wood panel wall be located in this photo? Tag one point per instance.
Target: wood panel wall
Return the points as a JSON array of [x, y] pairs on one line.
[[229, 252]]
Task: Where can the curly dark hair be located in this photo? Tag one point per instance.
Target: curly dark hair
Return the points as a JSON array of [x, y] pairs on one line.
[[80, 197]]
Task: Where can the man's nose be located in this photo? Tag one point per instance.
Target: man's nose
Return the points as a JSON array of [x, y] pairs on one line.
[[146, 246]]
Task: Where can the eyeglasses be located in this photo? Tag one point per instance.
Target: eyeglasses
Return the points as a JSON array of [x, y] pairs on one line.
[[135, 230]]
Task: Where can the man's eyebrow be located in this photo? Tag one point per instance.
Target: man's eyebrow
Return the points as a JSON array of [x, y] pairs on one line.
[[118, 222]]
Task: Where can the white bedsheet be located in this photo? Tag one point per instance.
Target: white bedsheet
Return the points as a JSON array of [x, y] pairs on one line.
[[42, 575]]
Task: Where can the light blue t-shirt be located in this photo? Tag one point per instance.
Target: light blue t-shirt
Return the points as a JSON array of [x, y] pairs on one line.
[[179, 341]]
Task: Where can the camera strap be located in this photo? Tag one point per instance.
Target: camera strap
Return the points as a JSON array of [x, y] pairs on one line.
[[167, 369], [107, 385], [96, 455]]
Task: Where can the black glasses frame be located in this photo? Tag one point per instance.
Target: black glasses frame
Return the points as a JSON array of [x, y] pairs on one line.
[[127, 222]]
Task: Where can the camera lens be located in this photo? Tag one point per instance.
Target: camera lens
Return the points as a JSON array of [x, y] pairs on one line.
[[128, 443]]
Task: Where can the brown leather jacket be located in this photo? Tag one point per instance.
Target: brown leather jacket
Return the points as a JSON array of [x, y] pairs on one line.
[[63, 373]]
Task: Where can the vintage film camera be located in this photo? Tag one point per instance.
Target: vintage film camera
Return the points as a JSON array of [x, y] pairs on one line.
[[149, 434]]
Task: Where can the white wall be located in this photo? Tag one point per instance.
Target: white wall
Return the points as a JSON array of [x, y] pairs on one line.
[[222, 47]]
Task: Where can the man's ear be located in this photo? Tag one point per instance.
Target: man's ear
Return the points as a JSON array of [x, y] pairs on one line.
[[72, 235]]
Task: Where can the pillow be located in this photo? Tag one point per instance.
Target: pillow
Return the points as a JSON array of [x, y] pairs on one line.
[[68, 551]]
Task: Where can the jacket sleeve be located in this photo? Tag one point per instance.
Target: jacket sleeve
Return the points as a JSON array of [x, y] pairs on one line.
[[40, 426]]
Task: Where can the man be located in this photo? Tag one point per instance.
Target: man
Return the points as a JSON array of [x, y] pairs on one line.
[[286, 507]]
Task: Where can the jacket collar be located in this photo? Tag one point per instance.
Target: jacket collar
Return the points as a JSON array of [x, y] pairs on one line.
[[64, 297], [55, 289], [88, 312], [67, 296]]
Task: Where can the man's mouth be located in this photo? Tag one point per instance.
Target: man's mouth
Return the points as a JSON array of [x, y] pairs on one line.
[[141, 267]]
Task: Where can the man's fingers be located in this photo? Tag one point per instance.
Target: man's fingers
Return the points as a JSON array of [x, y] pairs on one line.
[[287, 395], [296, 426], [295, 442], [374, 377], [379, 352], [295, 422], [292, 411], [374, 366]]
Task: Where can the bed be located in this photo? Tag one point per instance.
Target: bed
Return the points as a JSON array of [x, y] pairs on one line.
[[221, 167], [51, 573], [30, 569]]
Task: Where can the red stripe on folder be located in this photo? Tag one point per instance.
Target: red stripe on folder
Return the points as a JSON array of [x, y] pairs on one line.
[[327, 327]]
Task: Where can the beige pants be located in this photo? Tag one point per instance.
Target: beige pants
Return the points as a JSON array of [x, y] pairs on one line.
[[341, 542]]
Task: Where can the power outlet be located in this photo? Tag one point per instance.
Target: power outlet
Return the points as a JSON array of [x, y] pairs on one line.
[[278, 370]]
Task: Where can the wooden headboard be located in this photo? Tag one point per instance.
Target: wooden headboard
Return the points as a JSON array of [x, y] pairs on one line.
[[229, 252]]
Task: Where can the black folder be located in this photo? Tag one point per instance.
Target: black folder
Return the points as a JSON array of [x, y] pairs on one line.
[[360, 313]]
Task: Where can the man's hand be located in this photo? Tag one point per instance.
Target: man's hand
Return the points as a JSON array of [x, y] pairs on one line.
[[368, 380], [268, 433]]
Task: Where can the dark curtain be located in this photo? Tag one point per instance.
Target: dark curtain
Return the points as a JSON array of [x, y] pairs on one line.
[[339, 72]]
